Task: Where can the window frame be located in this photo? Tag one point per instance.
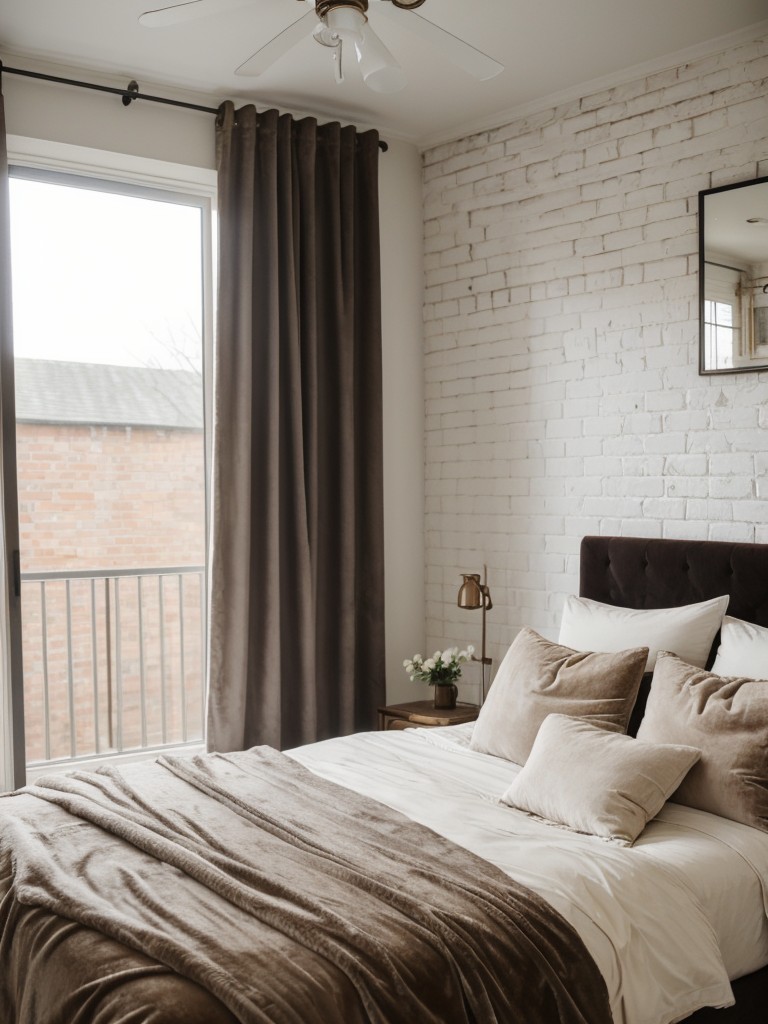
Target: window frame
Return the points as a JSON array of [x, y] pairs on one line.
[[133, 175]]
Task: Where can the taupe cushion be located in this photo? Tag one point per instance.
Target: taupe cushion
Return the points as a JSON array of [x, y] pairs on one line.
[[602, 783], [538, 678], [727, 718]]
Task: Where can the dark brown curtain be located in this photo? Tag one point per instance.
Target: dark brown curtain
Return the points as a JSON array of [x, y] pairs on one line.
[[297, 566]]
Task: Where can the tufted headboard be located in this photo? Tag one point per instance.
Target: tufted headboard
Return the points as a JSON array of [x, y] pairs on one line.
[[635, 572]]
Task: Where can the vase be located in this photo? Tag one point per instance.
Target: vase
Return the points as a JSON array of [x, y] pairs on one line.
[[445, 695]]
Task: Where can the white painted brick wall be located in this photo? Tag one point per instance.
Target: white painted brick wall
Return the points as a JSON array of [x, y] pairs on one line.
[[561, 333]]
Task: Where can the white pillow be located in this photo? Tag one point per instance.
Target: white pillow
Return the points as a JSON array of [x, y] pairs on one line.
[[604, 784], [743, 650], [688, 631]]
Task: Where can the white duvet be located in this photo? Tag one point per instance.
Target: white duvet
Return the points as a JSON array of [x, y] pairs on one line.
[[668, 921]]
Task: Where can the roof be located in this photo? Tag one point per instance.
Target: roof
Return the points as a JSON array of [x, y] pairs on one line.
[[51, 391]]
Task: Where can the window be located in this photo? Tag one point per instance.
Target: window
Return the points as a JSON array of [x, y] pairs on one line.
[[111, 296], [722, 316]]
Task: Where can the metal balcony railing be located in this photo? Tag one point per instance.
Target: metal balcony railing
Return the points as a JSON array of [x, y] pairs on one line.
[[114, 661]]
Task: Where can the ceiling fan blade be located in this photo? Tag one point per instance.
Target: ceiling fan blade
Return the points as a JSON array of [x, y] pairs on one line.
[[464, 56], [187, 12], [277, 47]]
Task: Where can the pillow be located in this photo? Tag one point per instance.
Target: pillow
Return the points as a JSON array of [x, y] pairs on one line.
[[688, 631], [538, 677], [726, 717], [743, 650], [621, 783]]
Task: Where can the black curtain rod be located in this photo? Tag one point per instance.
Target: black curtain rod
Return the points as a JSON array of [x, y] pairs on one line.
[[128, 95]]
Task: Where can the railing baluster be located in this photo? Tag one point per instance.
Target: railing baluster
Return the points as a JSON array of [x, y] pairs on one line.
[[46, 696], [162, 659], [110, 695], [70, 677], [95, 669], [142, 670], [118, 667], [182, 674], [203, 647]]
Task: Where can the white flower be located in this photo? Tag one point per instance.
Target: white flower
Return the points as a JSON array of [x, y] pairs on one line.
[[442, 667], [470, 649]]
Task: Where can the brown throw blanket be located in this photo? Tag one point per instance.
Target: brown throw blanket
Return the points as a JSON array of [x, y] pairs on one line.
[[241, 887]]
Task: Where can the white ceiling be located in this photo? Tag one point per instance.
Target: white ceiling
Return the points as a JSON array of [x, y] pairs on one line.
[[728, 231], [549, 49]]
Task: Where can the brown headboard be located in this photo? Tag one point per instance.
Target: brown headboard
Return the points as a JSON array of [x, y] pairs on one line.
[[635, 572]]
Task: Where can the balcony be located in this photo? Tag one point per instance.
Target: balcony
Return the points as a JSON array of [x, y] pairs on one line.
[[114, 664]]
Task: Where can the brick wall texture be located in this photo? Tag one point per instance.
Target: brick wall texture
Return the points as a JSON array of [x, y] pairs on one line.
[[561, 341]]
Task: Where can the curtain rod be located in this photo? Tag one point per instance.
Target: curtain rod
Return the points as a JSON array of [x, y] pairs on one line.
[[128, 94]]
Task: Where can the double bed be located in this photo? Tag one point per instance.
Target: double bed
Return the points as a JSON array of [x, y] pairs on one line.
[[400, 876]]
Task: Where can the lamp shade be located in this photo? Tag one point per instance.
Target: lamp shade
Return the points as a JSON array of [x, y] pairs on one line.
[[473, 593], [346, 23], [470, 591], [380, 71]]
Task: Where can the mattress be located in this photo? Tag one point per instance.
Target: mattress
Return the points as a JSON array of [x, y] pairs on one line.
[[668, 921]]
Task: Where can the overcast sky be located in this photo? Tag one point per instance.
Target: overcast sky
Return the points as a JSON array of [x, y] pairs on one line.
[[104, 278]]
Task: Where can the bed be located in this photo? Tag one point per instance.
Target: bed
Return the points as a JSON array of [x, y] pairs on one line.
[[410, 888]]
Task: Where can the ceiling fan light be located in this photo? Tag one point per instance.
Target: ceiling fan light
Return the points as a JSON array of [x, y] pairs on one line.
[[346, 23], [380, 71]]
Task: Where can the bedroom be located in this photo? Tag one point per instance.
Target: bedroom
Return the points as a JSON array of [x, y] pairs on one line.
[[601, 424]]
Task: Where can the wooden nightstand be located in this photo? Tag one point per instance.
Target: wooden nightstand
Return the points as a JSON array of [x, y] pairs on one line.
[[424, 714]]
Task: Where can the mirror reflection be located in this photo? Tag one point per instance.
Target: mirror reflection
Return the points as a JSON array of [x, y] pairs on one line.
[[733, 277]]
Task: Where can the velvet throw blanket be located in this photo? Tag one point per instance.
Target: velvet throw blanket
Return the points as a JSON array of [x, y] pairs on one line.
[[241, 887]]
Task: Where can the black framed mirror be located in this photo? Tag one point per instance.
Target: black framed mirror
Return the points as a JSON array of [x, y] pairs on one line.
[[733, 277]]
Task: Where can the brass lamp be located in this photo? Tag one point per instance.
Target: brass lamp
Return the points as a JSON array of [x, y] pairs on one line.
[[473, 595]]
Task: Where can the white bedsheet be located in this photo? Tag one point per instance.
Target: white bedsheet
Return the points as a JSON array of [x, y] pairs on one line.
[[667, 921]]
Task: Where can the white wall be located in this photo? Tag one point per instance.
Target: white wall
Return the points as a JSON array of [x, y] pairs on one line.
[[562, 391], [402, 275], [79, 117]]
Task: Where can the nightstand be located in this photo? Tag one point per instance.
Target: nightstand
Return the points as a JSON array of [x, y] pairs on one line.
[[424, 714]]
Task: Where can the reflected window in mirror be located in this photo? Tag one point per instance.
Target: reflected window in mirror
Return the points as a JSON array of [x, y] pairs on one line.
[[733, 277]]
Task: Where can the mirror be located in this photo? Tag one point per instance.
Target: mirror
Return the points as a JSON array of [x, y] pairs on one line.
[[733, 278]]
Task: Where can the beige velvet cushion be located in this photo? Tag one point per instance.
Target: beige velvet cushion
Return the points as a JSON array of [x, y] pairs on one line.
[[727, 718], [538, 678], [602, 783]]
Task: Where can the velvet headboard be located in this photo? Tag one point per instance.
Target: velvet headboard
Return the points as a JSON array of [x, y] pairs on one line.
[[636, 572]]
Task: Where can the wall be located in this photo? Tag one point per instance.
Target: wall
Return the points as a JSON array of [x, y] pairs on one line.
[[562, 391], [99, 497], [75, 116]]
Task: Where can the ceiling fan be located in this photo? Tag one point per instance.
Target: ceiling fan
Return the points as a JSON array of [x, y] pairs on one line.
[[341, 25]]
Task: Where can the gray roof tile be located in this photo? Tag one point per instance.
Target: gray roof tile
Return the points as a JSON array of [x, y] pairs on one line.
[[50, 391]]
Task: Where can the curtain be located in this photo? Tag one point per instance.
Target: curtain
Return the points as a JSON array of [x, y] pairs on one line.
[[297, 565], [12, 760]]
